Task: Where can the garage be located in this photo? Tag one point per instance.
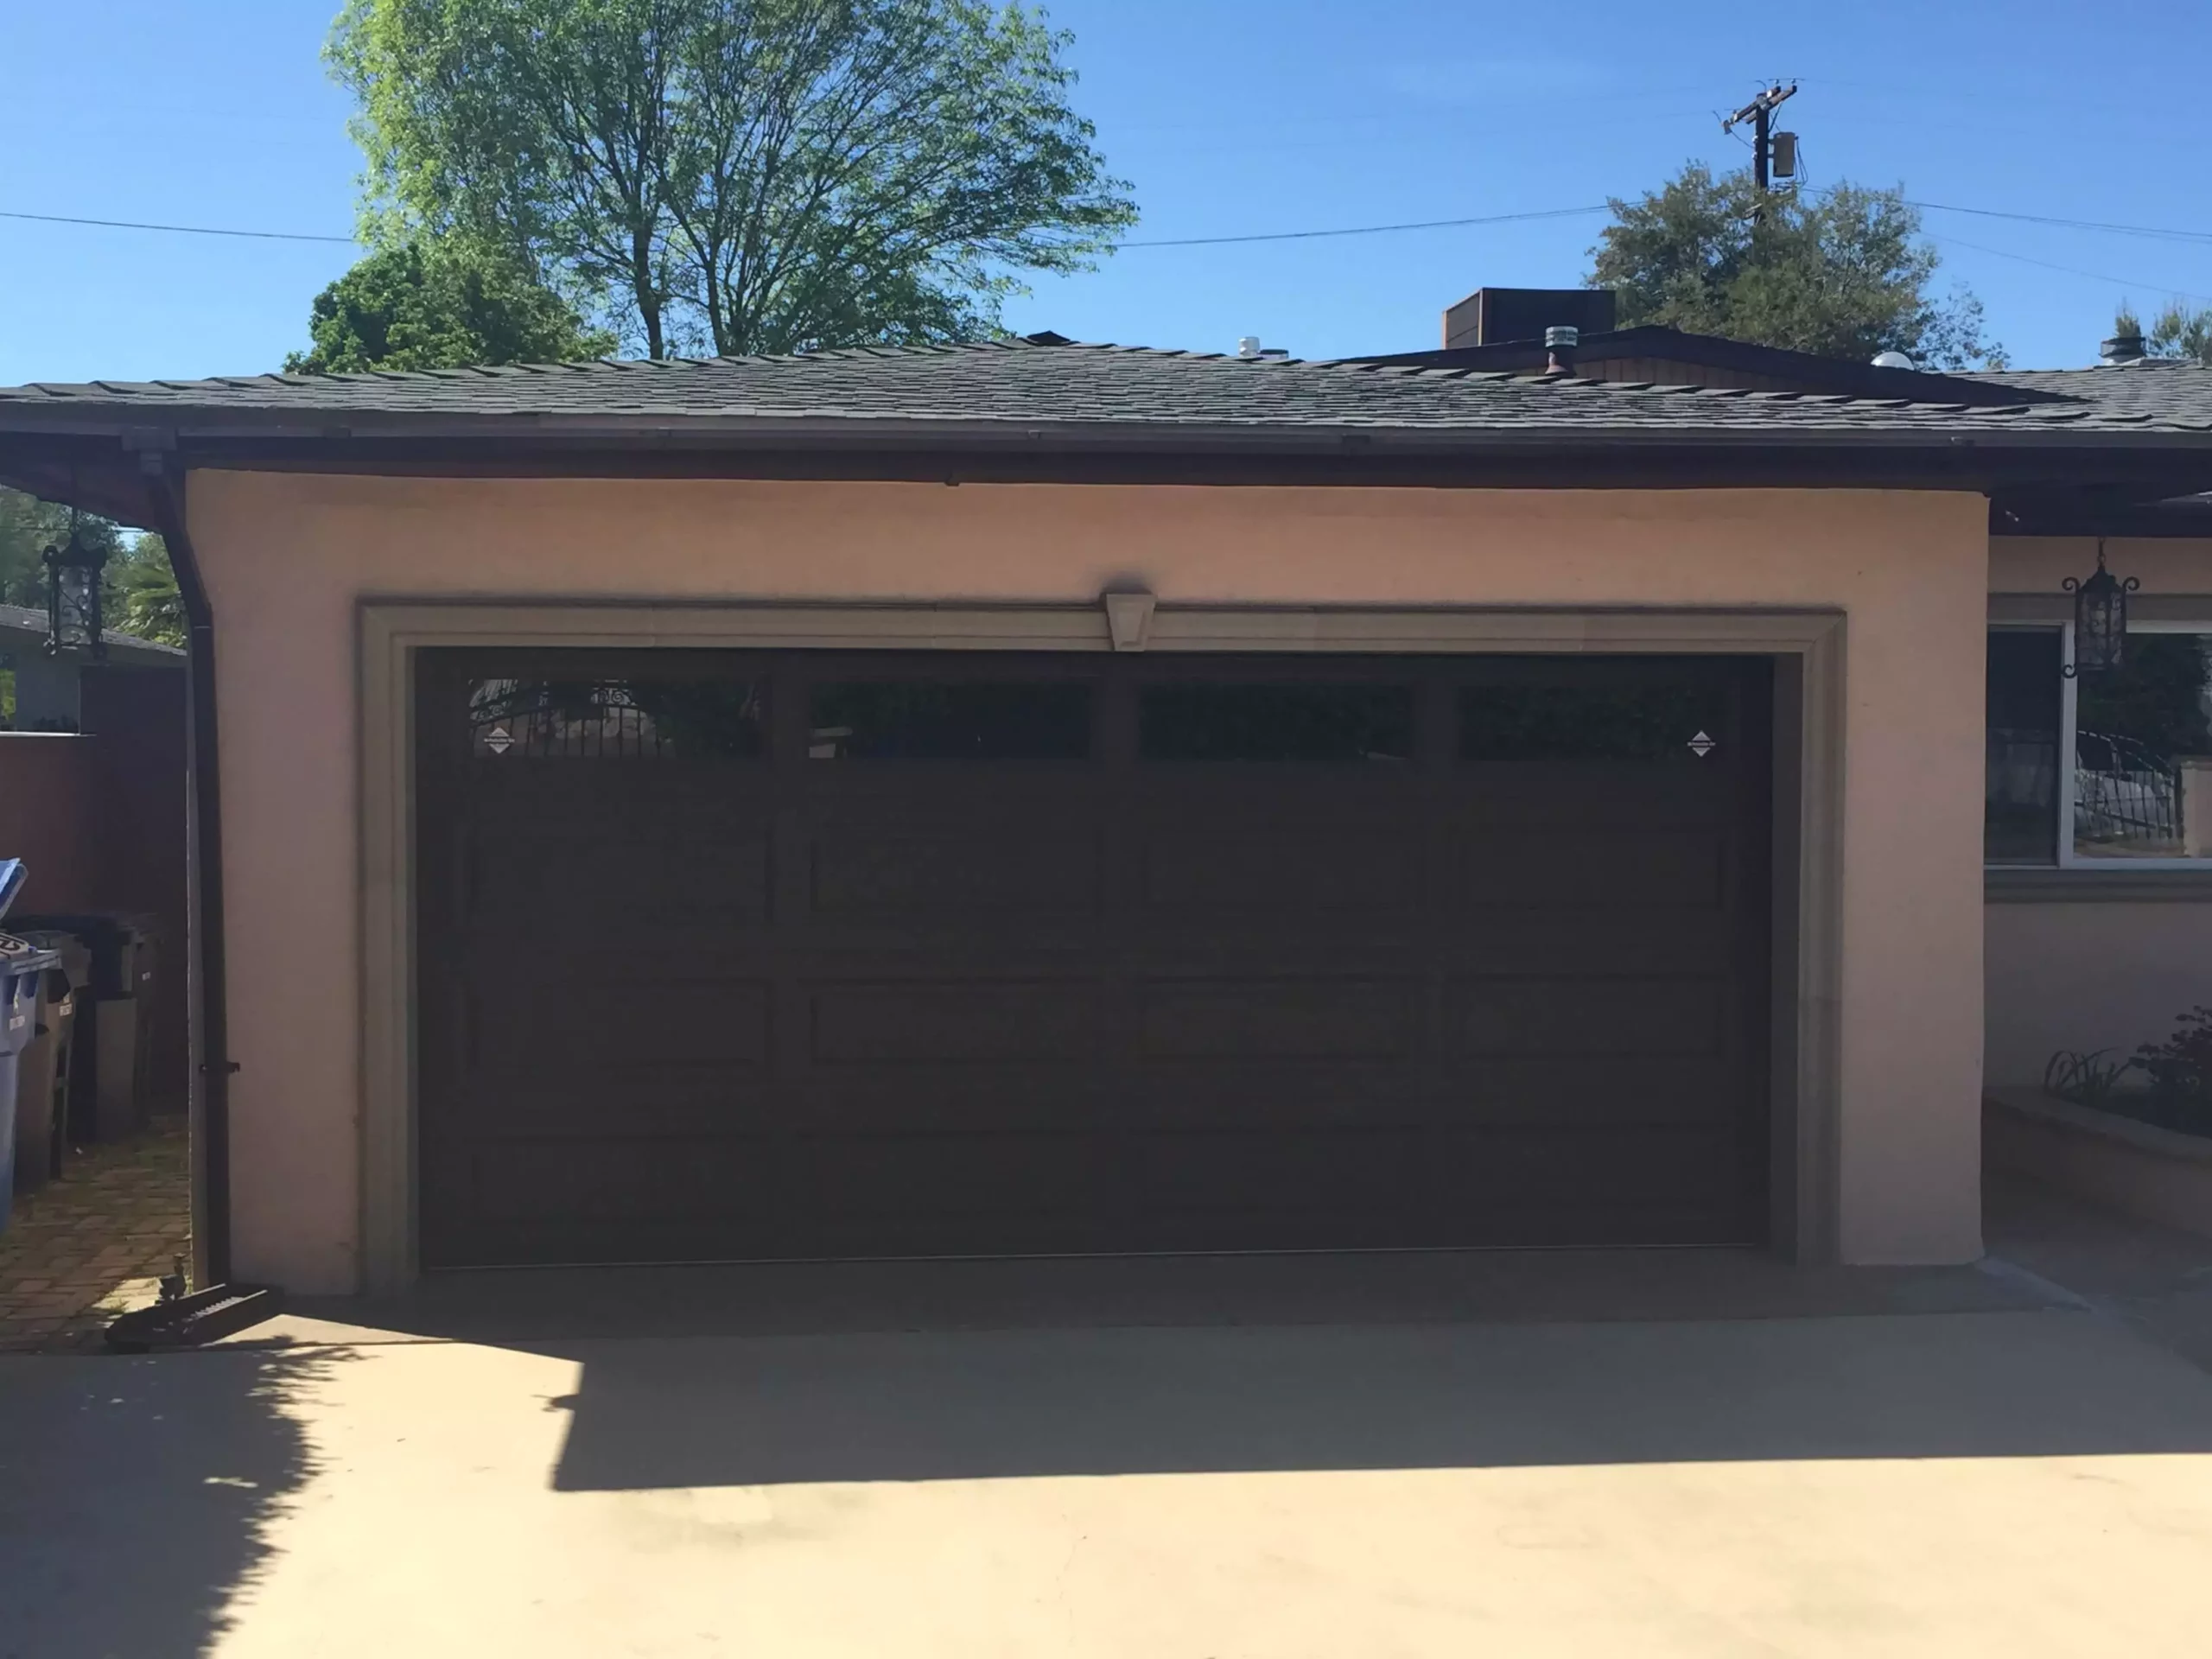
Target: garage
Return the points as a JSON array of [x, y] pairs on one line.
[[759, 955]]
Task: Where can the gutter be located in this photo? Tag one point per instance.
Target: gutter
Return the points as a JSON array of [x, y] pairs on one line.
[[211, 1096]]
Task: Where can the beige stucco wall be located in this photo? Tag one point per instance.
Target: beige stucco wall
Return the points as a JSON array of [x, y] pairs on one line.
[[2038, 564], [2078, 974], [287, 556]]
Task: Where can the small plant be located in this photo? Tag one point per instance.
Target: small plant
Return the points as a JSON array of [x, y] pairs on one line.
[[2180, 1070], [2089, 1080]]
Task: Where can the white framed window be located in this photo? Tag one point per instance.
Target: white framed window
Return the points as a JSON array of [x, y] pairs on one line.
[[2111, 771]]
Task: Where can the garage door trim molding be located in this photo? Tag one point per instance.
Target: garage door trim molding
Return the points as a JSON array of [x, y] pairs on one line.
[[1808, 645]]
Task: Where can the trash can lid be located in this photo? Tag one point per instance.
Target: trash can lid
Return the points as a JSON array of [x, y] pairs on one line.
[[72, 955], [12, 874], [20, 957]]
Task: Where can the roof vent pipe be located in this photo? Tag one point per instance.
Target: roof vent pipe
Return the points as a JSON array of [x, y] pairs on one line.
[[2125, 346], [1559, 348], [1248, 346]]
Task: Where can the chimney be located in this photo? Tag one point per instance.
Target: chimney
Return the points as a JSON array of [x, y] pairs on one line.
[[1560, 342], [2125, 345], [1493, 316]]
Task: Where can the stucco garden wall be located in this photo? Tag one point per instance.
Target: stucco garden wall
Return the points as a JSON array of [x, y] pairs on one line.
[[288, 557]]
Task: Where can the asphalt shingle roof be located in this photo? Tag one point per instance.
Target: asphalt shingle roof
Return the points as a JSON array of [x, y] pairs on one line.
[[1020, 384], [2156, 390]]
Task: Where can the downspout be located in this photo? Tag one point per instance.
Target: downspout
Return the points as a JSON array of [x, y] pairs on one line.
[[211, 1095]]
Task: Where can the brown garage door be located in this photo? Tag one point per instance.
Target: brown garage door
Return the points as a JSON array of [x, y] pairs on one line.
[[730, 956]]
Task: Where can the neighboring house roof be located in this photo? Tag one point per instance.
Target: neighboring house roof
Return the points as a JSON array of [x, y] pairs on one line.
[[1092, 394], [1688, 356], [2155, 389], [19, 619]]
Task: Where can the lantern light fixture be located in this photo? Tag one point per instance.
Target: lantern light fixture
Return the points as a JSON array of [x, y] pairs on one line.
[[2100, 619], [74, 572]]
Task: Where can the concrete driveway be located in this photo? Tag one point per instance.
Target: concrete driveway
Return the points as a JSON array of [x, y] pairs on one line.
[[1997, 1472]]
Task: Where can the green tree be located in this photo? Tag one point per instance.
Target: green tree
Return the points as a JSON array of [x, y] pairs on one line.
[[142, 597], [2179, 331], [1842, 273], [444, 306], [756, 176]]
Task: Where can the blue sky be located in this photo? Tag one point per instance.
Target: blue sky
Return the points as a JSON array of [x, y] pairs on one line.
[[1227, 116]]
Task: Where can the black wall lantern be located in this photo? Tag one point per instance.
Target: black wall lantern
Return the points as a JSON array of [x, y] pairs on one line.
[[2100, 619], [74, 583]]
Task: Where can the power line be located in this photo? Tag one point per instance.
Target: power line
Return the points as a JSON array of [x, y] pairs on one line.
[[1363, 230], [2071, 270], [2067, 224], [178, 229]]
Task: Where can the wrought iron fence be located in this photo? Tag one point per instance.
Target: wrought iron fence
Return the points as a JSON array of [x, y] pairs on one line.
[[2125, 795]]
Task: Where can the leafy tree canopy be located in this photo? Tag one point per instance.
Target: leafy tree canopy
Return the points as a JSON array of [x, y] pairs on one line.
[[444, 306], [749, 176], [1840, 273], [2178, 332]]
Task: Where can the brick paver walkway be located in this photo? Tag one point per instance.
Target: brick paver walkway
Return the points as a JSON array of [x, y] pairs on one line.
[[96, 1242]]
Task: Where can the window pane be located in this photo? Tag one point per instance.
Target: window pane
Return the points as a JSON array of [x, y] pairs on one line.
[[629, 718], [2019, 811], [2143, 752], [1200, 722], [928, 720], [1590, 722]]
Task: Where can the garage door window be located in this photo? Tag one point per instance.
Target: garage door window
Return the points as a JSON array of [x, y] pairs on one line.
[[516, 719], [1308, 722], [930, 719], [1682, 723]]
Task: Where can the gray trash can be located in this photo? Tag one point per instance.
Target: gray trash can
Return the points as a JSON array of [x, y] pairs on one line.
[[22, 966], [43, 1071], [108, 1085]]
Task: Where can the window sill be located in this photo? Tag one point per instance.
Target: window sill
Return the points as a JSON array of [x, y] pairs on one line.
[[2023, 885]]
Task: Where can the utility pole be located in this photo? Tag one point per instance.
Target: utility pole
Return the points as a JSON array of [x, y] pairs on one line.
[[1760, 113]]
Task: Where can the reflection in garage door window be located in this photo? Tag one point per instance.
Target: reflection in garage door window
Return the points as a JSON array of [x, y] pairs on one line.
[[1309, 722], [618, 719], [930, 719], [1685, 722]]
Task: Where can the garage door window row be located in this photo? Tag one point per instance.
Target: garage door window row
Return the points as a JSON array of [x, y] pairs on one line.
[[1198, 721]]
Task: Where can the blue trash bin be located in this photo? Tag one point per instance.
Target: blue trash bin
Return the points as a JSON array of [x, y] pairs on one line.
[[21, 966]]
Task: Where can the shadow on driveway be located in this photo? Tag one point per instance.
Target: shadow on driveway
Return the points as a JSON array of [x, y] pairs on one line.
[[748, 1377], [137, 1495]]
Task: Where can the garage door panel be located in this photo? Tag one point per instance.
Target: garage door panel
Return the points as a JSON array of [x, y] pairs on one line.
[[524, 1022], [963, 1176], [1525, 1016], [955, 870], [1690, 1167], [940, 1023], [1276, 1019], [618, 1178], [1258, 867], [528, 878], [1632, 866], [1289, 1170], [1233, 954], [1588, 1091]]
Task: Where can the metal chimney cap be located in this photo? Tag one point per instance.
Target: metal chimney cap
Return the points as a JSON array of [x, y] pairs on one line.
[[1561, 334], [1247, 346]]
